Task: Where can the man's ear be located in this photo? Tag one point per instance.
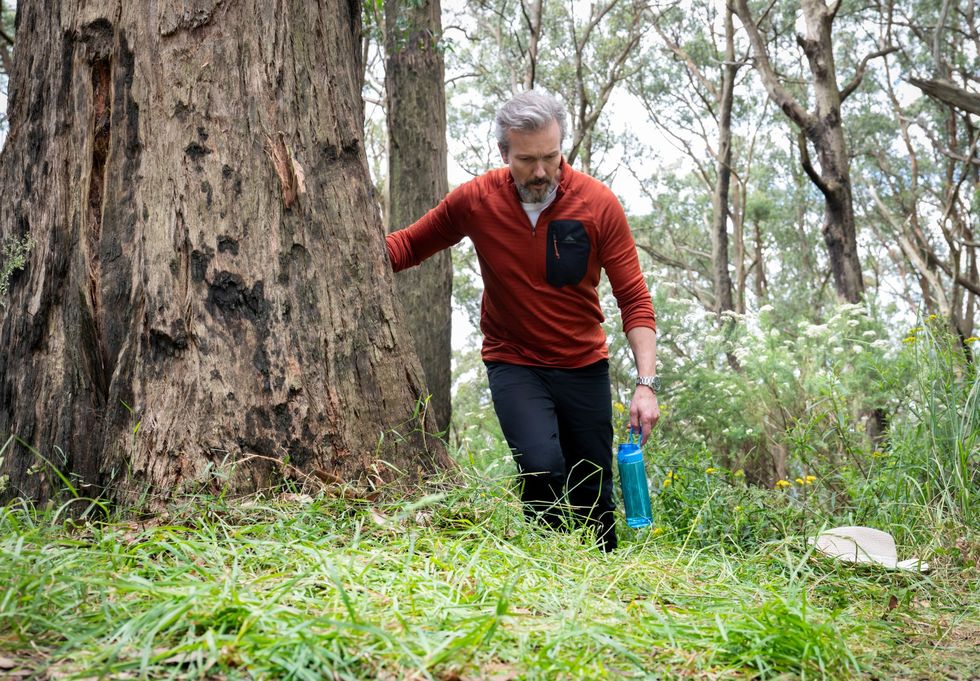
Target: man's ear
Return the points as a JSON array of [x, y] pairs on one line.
[[503, 153]]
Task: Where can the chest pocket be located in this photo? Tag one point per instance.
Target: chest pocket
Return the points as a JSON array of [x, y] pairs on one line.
[[568, 252]]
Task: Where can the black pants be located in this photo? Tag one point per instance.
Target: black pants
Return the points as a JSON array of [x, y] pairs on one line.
[[558, 423]]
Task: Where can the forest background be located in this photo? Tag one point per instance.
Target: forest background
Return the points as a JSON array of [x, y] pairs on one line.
[[803, 182]]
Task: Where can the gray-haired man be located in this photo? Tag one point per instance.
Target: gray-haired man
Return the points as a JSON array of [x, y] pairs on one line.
[[542, 233]]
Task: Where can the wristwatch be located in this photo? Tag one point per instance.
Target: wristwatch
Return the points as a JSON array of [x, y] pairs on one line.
[[652, 382]]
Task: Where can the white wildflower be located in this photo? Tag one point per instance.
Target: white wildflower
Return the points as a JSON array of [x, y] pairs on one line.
[[816, 330]]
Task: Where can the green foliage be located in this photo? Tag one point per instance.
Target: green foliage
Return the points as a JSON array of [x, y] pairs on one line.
[[793, 417], [13, 257], [450, 583]]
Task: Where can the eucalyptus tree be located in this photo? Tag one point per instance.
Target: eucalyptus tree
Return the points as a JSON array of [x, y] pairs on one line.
[[207, 303], [923, 163], [417, 181], [714, 121], [820, 125], [690, 116]]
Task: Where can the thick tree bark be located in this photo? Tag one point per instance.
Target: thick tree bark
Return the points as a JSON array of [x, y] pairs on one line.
[[417, 181], [208, 300]]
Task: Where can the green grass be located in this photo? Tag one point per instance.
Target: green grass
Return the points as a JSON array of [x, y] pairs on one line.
[[453, 584]]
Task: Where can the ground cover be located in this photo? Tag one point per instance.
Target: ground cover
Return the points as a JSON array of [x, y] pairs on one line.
[[452, 584]]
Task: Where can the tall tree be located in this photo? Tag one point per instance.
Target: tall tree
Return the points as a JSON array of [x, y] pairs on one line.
[[208, 290], [822, 127], [723, 173], [417, 181], [923, 180]]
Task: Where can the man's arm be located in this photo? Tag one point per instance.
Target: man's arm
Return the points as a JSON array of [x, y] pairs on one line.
[[644, 408], [433, 232]]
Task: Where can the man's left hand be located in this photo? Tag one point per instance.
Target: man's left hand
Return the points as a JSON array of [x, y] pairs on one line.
[[644, 411]]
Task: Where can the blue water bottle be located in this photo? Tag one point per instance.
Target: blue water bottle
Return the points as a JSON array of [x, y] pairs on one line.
[[633, 478]]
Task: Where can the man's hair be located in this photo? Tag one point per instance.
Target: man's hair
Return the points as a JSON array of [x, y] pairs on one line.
[[529, 111]]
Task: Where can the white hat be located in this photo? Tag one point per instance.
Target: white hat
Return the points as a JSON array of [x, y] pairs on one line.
[[856, 544]]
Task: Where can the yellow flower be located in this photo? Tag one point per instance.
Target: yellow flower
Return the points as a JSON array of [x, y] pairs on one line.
[[909, 340], [783, 483], [738, 508], [972, 339], [619, 407], [810, 479], [932, 317], [657, 531], [710, 470], [799, 481], [666, 482], [670, 478], [739, 473]]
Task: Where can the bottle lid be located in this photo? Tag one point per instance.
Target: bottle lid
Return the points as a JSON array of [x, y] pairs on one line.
[[629, 453]]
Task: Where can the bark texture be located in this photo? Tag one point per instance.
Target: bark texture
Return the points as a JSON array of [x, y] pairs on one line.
[[207, 301], [417, 179]]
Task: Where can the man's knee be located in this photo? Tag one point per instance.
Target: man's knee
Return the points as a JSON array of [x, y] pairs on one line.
[[542, 459]]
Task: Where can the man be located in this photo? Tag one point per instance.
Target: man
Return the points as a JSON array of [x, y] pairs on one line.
[[542, 232]]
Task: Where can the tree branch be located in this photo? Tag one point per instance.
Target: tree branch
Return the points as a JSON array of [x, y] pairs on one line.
[[911, 253], [971, 286], [949, 93], [859, 74], [9, 39], [808, 166], [786, 102], [833, 9], [681, 54], [666, 260]]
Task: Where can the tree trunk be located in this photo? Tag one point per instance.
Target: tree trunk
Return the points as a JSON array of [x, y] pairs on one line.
[[723, 179], [417, 181], [533, 12], [723, 176], [207, 302], [823, 127], [825, 130]]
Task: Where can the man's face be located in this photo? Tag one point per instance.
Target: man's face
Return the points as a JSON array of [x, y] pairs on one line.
[[534, 158]]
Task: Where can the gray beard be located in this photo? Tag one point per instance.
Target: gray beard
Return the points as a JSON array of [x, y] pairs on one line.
[[534, 194]]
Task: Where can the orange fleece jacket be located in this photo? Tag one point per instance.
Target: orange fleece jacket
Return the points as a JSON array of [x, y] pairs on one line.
[[540, 304]]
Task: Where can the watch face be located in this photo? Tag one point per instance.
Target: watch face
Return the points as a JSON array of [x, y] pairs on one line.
[[650, 381]]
